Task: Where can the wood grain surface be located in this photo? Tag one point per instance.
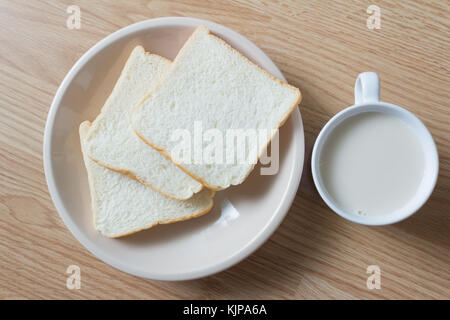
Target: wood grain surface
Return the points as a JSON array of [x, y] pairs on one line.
[[320, 46]]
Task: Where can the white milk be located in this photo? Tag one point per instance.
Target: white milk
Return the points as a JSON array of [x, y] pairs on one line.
[[372, 164]]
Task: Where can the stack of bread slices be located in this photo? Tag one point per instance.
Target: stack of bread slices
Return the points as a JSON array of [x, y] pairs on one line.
[[134, 182]]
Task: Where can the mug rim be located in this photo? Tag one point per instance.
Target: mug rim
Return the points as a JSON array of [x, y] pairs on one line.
[[429, 147]]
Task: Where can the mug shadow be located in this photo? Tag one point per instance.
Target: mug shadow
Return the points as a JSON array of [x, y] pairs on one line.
[[430, 222]]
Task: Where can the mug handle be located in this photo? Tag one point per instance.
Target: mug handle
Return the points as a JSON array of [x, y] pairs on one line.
[[367, 88]]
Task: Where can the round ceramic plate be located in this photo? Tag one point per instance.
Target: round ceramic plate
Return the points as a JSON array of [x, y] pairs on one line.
[[243, 216]]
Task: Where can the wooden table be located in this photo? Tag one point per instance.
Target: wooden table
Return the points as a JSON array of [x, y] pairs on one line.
[[320, 47]]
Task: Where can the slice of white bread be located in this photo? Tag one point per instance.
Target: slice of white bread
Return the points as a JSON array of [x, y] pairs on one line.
[[211, 82], [122, 205], [112, 143]]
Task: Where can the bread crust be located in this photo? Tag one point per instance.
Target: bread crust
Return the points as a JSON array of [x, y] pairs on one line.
[[84, 126], [195, 215], [164, 76]]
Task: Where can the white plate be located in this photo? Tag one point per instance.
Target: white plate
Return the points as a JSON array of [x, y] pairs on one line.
[[243, 216]]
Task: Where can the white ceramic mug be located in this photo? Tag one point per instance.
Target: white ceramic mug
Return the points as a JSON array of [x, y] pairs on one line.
[[367, 99]]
